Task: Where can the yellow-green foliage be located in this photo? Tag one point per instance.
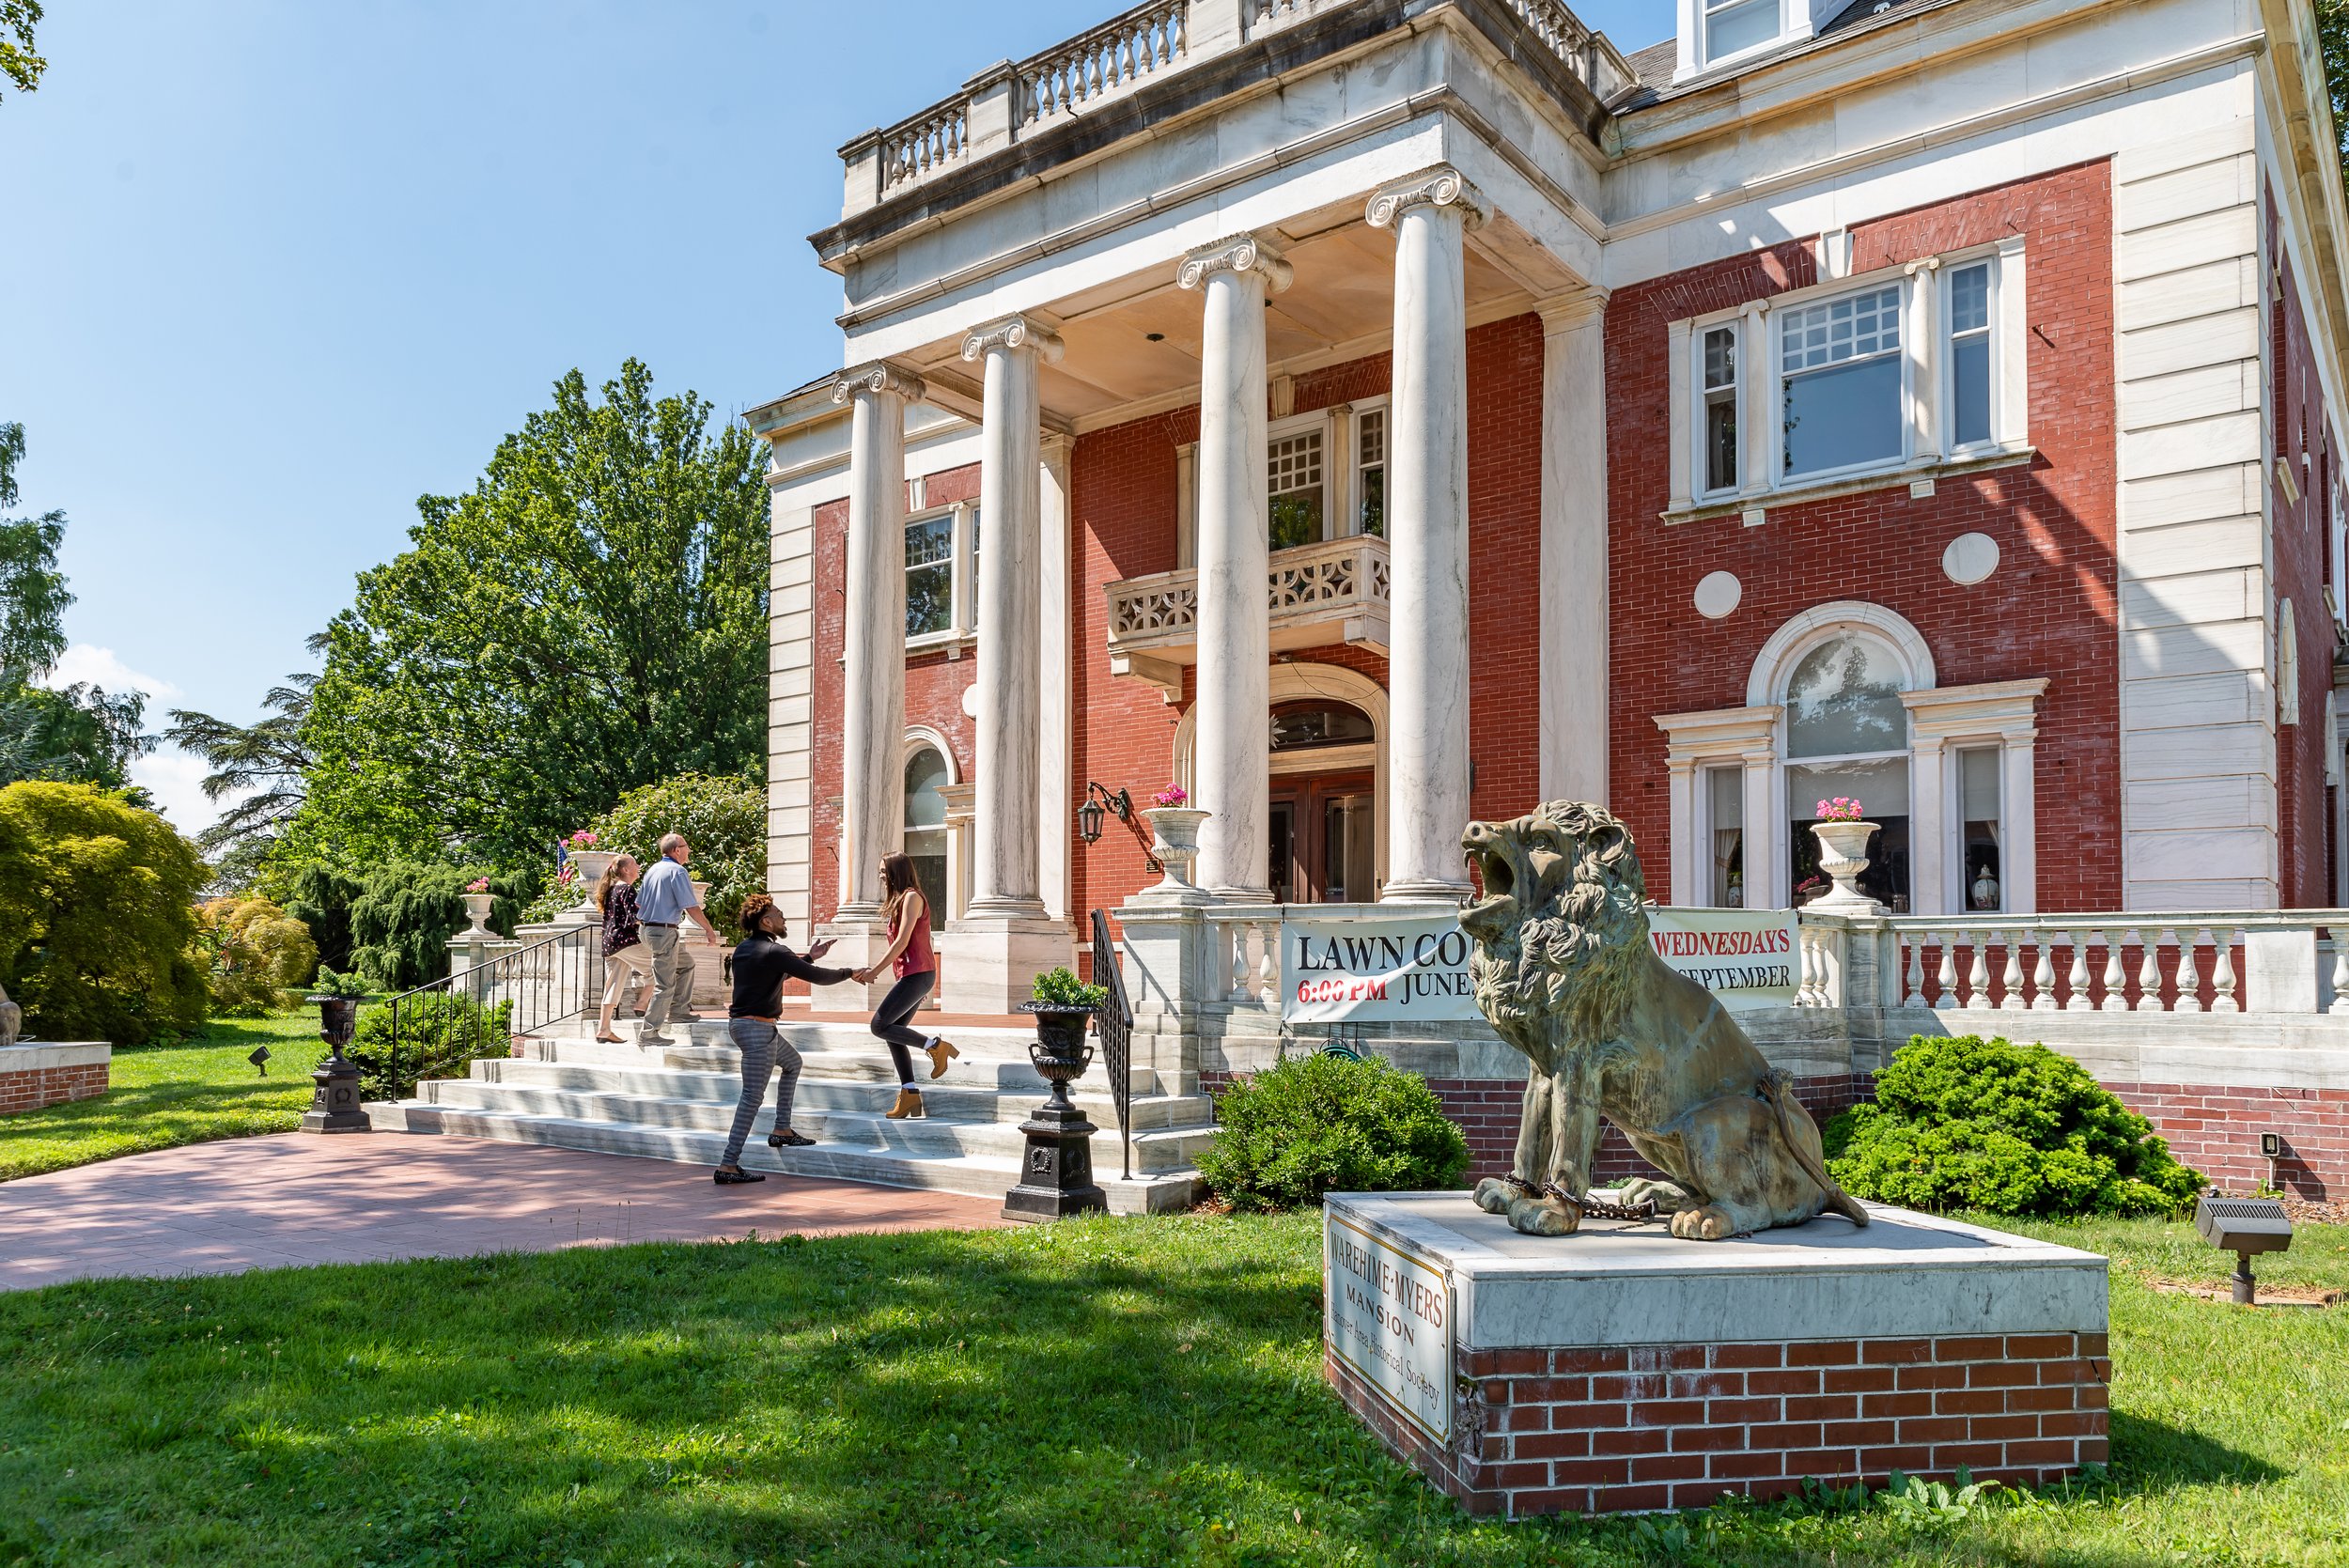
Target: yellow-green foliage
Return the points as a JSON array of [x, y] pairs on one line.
[[256, 953], [97, 916]]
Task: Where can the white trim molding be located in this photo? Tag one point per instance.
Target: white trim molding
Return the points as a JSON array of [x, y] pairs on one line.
[[2005, 713], [1786, 645], [1742, 737]]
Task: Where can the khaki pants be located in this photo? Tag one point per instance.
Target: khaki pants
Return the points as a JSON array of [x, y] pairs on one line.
[[629, 969], [671, 977]]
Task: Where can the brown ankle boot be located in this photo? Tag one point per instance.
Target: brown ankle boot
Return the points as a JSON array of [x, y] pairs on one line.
[[909, 1106], [942, 1052]]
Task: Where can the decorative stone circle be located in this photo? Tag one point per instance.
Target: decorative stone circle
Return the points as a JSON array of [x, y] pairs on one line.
[[1718, 594], [971, 701], [1969, 558]]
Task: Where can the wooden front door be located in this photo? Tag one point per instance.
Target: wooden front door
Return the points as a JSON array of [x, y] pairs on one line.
[[1324, 839]]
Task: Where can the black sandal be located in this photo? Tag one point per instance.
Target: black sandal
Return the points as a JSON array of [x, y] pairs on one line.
[[734, 1178], [789, 1137]]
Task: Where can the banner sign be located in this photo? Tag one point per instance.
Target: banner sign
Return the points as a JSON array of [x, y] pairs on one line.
[[1356, 968], [1746, 957], [1387, 1314]]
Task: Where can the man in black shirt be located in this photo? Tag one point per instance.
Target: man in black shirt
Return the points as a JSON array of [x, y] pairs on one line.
[[761, 964]]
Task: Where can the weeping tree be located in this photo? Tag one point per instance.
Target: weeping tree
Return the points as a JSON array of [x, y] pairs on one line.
[[261, 770], [592, 617]]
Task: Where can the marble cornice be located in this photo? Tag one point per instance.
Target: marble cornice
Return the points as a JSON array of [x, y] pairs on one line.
[[1441, 186], [1238, 253], [878, 375], [1013, 332]]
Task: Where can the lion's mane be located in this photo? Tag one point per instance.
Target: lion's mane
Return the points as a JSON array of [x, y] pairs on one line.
[[1563, 974]]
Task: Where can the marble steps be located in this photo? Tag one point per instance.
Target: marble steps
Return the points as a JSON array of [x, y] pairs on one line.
[[940, 1166]]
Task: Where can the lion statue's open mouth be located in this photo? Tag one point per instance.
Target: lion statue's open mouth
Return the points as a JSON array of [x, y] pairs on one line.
[[1565, 971]]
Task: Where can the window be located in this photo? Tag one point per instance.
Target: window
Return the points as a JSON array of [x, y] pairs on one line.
[[1295, 465], [1309, 725], [1978, 828], [1845, 720], [1733, 26], [925, 827], [1721, 410], [930, 575], [1841, 383], [1370, 507], [1725, 803], [1970, 424], [971, 572]]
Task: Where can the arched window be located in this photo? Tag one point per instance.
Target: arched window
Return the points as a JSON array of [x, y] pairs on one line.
[[925, 826], [1847, 736]]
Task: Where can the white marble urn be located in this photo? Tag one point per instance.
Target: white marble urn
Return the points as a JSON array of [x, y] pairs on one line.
[[1844, 855], [478, 911], [588, 866], [1176, 846]]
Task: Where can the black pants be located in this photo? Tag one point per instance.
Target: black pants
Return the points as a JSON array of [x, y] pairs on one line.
[[889, 1021]]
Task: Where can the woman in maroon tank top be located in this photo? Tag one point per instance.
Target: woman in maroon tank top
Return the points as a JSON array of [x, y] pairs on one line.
[[914, 962]]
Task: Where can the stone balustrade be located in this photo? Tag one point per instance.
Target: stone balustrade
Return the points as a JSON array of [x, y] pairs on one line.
[[1338, 590], [1025, 98]]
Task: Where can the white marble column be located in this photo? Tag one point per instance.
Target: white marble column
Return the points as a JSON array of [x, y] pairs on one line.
[[1232, 763], [1055, 730], [1574, 714], [1004, 883], [1427, 673], [873, 717]]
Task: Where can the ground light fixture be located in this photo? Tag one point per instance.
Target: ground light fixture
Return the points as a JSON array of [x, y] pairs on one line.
[[1097, 803], [260, 1059], [2243, 1226]]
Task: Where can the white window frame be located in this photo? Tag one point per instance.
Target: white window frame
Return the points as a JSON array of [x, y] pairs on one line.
[[1708, 830], [1707, 59], [1319, 422], [1359, 410], [1955, 849], [1927, 381], [962, 593]]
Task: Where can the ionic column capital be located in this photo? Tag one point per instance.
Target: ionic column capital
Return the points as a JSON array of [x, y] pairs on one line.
[[1013, 332], [1238, 252], [878, 375], [1441, 186]]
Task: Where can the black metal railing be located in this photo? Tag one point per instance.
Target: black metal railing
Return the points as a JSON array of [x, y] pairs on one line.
[[437, 1029], [1115, 1023]]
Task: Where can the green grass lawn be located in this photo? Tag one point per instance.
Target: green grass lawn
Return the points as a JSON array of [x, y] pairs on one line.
[[162, 1096], [1118, 1392]]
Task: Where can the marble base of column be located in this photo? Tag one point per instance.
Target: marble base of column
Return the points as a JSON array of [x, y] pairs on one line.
[[989, 962], [857, 939]]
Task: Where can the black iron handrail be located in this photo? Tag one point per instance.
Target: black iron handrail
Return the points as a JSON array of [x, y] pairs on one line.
[[1115, 1023], [513, 994]]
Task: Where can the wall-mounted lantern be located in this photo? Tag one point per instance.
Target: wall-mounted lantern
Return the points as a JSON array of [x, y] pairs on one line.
[[1098, 802]]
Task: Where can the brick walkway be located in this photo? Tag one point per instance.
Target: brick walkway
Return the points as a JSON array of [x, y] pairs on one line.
[[297, 1198]]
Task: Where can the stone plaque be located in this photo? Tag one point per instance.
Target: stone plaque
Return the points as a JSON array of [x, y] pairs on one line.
[[1387, 1314]]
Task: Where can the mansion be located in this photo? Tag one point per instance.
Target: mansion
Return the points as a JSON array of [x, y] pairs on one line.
[[1369, 415]]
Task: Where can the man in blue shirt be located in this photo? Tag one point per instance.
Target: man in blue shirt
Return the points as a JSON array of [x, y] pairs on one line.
[[664, 898]]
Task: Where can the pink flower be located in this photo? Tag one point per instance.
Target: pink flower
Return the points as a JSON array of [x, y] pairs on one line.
[[479, 884], [582, 840], [1172, 795]]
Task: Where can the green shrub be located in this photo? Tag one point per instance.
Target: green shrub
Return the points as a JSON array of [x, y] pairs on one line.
[[1061, 987], [391, 924], [97, 916], [725, 819], [1313, 1124], [255, 953], [1988, 1125], [439, 1036]]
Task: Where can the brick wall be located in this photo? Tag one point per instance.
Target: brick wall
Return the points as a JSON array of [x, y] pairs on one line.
[[2048, 610], [32, 1088], [2216, 1129], [1612, 1429], [2301, 431]]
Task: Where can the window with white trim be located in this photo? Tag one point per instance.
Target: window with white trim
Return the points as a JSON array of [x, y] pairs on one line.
[[1293, 467], [1725, 830], [942, 574], [1842, 383], [1908, 367], [1370, 472], [1733, 26], [1980, 828]]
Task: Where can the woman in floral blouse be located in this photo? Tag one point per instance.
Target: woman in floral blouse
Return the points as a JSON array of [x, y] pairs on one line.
[[624, 950]]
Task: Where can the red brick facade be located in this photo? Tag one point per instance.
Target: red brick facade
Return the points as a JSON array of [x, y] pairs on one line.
[[1605, 1430], [2048, 610], [32, 1088]]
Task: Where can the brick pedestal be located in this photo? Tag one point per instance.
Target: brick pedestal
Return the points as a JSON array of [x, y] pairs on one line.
[[1681, 1372], [33, 1076]]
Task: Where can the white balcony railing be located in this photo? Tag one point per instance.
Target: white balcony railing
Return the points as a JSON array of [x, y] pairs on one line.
[[1335, 591], [1105, 63]]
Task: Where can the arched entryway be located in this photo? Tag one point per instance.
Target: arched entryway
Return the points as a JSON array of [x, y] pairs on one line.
[[1324, 840]]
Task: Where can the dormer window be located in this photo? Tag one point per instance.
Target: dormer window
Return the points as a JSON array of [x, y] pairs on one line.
[[1733, 26]]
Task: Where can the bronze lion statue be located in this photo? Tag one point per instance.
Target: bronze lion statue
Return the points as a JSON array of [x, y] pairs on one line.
[[1564, 971]]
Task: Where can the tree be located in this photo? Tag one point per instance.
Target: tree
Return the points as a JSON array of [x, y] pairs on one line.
[[97, 916], [591, 617], [2332, 44], [79, 732], [266, 762], [17, 62]]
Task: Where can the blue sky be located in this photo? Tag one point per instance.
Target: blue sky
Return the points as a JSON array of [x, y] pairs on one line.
[[271, 271]]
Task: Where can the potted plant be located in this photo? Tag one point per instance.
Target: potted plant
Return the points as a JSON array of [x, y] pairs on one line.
[[1176, 826], [1063, 1007], [334, 1102], [1843, 833], [592, 863], [478, 900]]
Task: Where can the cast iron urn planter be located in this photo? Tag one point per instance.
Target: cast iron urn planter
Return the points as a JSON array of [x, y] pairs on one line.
[[1056, 1172], [334, 1108]]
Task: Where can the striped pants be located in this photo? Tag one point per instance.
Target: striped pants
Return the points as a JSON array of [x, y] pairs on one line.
[[764, 1049]]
